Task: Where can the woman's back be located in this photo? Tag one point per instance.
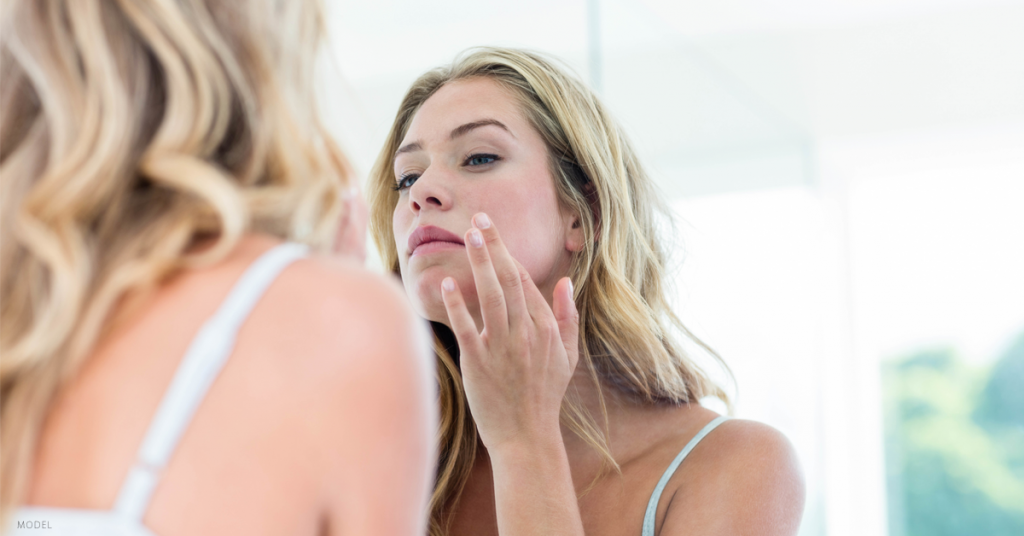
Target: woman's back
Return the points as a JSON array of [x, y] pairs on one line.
[[308, 426]]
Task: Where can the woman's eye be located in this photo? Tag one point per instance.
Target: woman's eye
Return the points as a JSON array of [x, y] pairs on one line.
[[405, 182], [481, 159]]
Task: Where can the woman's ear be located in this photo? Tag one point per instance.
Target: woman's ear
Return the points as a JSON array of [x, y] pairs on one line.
[[574, 239]]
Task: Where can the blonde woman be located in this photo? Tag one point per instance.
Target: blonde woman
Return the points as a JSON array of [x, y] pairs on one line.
[[179, 357], [523, 227]]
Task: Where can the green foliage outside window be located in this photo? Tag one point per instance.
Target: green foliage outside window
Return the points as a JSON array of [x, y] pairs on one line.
[[955, 444]]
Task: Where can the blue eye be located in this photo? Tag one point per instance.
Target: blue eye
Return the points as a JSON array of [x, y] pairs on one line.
[[481, 159], [405, 182]]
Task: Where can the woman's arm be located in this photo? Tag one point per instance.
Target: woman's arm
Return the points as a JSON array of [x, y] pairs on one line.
[[533, 490], [516, 371]]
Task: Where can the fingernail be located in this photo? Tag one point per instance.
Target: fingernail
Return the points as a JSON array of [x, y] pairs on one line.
[[482, 221], [570, 289], [448, 284], [476, 238], [351, 193]]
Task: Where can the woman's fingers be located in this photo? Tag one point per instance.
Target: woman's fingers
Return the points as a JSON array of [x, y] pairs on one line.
[[463, 325], [488, 290], [562, 312], [498, 280], [351, 237], [536, 304]]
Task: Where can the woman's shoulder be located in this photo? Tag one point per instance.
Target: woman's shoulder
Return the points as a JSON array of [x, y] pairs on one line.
[[743, 477], [337, 318], [740, 441], [342, 303], [345, 287]]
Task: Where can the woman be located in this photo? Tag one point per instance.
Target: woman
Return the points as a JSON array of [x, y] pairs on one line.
[[566, 402], [163, 176]]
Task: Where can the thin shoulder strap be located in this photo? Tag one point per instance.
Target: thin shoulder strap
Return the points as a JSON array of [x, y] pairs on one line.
[[652, 505], [202, 363]]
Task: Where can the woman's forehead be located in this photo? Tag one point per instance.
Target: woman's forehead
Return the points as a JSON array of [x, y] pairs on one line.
[[465, 102]]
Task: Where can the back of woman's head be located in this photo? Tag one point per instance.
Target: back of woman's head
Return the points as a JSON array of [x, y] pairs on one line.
[[131, 132], [628, 329]]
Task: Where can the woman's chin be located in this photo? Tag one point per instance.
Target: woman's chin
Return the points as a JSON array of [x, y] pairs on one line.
[[435, 312], [428, 301]]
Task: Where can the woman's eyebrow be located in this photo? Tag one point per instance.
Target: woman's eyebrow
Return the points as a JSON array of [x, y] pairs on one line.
[[458, 131], [408, 148]]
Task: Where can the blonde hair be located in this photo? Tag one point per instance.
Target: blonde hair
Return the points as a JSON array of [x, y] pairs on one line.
[[131, 132], [625, 320]]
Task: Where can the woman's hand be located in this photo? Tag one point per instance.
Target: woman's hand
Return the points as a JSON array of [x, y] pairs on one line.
[[351, 238], [517, 369]]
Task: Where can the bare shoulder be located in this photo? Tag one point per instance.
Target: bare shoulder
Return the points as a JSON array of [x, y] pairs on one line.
[[345, 290], [743, 478], [342, 307], [739, 443]]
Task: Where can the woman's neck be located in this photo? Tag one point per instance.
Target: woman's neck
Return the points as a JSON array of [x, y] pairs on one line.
[[631, 428], [600, 401]]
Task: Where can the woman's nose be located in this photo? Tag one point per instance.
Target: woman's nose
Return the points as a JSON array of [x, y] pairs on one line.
[[429, 192]]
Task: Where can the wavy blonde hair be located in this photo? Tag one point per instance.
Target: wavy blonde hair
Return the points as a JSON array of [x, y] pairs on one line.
[[131, 131], [626, 323]]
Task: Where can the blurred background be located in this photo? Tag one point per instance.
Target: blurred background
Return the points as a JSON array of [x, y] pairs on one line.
[[848, 182]]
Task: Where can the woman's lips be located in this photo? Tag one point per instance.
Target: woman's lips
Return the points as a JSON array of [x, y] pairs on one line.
[[429, 239], [433, 247]]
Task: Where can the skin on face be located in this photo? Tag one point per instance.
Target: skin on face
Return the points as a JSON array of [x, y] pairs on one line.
[[470, 149]]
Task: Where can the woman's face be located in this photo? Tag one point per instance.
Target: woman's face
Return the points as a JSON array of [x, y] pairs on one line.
[[470, 149]]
